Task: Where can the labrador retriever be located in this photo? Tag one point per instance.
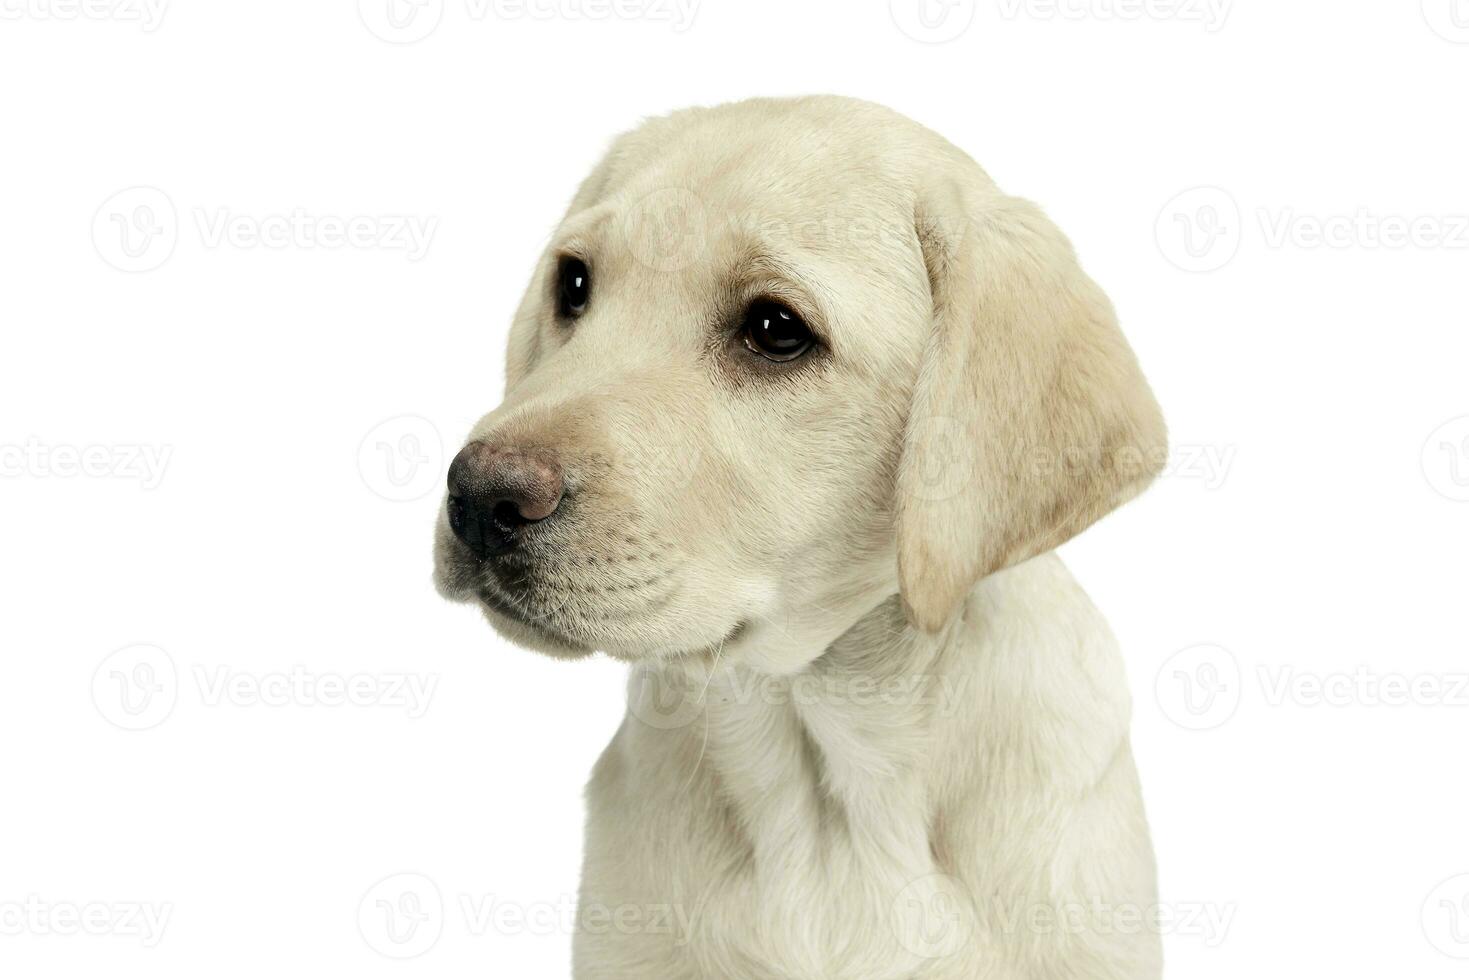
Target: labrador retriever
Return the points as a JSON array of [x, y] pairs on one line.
[[798, 406]]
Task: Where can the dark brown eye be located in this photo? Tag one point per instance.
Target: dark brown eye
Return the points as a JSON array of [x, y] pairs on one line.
[[772, 330], [573, 287]]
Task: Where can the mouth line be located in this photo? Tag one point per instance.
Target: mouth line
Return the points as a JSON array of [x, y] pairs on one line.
[[496, 597]]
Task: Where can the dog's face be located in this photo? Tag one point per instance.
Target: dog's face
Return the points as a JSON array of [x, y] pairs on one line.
[[709, 441]]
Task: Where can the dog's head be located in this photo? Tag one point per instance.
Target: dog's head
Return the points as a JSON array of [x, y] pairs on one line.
[[782, 359]]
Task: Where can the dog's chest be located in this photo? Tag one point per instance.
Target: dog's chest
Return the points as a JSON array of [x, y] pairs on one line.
[[786, 831]]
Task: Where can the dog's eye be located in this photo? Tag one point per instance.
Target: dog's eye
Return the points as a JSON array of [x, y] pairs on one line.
[[573, 287], [771, 330]]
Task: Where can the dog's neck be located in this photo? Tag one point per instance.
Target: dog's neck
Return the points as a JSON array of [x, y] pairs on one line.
[[863, 743], [797, 755]]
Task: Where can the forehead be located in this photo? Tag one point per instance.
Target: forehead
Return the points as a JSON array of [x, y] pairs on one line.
[[754, 189]]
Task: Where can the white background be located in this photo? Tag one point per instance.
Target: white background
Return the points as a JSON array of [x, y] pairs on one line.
[[1311, 532]]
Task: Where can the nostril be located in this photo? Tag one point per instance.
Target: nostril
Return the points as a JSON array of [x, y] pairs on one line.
[[506, 514], [485, 531]]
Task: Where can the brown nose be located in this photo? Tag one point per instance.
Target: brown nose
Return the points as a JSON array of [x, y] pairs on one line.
[[494, 491]]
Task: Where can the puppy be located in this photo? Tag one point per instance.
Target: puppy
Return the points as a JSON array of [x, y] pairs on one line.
[[798, 405]]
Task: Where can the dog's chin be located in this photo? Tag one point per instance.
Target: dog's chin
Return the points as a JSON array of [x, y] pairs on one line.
[[549, 640], [533, 636], [552, 641]]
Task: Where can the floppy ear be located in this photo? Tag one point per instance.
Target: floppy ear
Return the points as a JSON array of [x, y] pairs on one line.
[[1030, 419]]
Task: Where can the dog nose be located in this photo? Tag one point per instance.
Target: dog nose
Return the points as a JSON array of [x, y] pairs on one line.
[[496, 490]]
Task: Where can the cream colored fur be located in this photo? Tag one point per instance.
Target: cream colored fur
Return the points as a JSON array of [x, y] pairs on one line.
[[875, 729]]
